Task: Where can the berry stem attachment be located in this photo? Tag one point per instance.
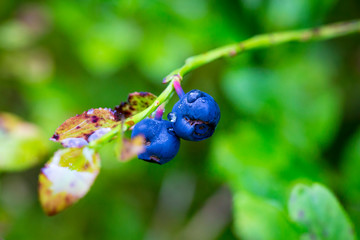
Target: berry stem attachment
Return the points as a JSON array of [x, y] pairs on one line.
[[259, 41], [159, 112], [177, 86]]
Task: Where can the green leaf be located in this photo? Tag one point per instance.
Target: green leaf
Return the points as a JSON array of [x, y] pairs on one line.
[[15, 35], [104, 47], [256, 218], [103, 43], [67, 177], [255, 179], [84, 125], [320, 214], [136, 102], [311, 113], [350, 169], [252, 91], [255, 157], [350, 181], [22, 144]]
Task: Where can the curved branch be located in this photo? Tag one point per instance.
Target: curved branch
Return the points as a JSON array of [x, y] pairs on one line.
[[258, 41]]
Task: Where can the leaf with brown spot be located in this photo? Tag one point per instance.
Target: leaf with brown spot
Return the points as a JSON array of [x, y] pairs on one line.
[[85, 124], [67, 177], [137, 102]]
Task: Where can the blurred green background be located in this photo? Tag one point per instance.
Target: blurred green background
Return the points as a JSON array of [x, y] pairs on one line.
[[290, 113]]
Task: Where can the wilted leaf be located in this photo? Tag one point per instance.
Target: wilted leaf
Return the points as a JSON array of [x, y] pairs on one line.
[[126, 149], [22, 144], [257, 218], [130, 148], [137, 102], [85, 124], [317, 210], [67, 177]]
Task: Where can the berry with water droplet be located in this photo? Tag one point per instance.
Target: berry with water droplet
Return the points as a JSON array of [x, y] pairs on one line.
[[197, 115], [161, 143]]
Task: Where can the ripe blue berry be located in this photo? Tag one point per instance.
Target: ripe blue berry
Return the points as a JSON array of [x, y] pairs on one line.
[[195, 116], [161, 143]]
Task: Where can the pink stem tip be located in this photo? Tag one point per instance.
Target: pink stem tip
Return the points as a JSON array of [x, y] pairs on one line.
[[159, 112], [177, 86]]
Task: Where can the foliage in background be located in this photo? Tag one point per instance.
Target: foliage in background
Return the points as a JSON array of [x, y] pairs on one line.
[[288, 113]]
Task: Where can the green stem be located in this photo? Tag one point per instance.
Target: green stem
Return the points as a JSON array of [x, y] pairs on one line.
[[267, 40], [258, 41], [163, 97]]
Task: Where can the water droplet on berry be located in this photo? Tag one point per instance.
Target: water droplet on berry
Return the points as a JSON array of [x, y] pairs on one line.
[[171, 130], [172, 117], [193, 95]]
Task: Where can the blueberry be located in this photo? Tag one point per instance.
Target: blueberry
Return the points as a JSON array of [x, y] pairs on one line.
[[161, 143], [195, 116]]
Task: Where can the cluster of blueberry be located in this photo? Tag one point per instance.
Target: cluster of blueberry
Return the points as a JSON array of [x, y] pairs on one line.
[[194, 117]]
